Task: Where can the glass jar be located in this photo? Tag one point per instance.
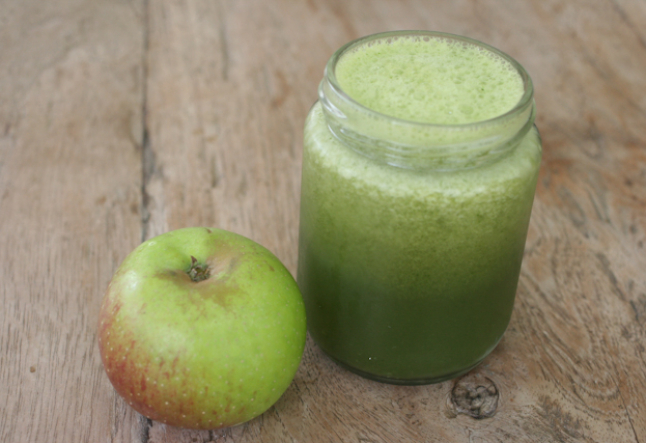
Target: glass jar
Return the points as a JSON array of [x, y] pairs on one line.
[[411, 233]]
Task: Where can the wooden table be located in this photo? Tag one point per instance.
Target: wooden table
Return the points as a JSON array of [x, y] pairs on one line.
[[120, 120]]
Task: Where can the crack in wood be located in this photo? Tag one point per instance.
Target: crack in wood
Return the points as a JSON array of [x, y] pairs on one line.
[[223, 42], [147, 154], [145, 425], [605, 267], [623, 403]]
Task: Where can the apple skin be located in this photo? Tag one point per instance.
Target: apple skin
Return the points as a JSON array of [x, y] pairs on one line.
[[201, 354]]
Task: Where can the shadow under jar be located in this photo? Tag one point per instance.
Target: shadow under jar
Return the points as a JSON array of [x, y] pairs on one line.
[[419, 170]]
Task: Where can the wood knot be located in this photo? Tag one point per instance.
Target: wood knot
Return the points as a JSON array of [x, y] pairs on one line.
[[476, 396]]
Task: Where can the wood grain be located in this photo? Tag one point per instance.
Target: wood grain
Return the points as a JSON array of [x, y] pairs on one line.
[[122, 120], [70, 180]]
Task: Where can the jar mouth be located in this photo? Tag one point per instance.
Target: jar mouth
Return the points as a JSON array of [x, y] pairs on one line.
[[419, 145], [523, 103]]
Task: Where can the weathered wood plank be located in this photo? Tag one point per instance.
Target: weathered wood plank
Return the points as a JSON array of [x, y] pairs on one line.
[[70, 178], [227, 87]]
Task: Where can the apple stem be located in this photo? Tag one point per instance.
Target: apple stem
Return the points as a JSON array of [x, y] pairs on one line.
[[197, 271]]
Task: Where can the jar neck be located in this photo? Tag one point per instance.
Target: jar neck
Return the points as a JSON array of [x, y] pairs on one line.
[[422, 146]]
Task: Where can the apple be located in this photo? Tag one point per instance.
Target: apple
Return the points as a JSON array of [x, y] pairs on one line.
[[201, 328]]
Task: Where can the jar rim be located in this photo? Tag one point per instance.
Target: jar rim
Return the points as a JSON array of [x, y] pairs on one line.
[[524, 102]]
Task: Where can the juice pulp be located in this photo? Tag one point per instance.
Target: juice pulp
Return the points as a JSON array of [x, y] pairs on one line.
[[409, 276]]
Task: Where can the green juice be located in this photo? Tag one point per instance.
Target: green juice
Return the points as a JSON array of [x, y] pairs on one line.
[[409, 273]]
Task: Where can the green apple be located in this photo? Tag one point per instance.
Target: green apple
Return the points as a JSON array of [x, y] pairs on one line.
[[201, 328]]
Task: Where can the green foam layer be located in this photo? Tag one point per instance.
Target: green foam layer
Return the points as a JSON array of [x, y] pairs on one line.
[[430, 80]]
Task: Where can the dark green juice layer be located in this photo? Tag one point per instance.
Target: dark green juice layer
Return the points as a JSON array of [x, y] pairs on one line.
[[410, 276]]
